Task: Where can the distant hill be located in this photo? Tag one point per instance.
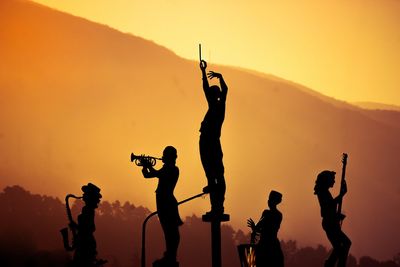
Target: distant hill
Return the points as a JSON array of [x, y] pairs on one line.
[[388, 114], [375, 106], [76, 98]]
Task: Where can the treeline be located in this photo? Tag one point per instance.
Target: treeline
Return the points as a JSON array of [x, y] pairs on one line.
[[30, 224]]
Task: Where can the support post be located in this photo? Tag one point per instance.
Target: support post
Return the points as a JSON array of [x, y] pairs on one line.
[[216, 236], [216, 243]]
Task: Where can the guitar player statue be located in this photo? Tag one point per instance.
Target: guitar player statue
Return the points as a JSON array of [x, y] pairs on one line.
[[332, 216]]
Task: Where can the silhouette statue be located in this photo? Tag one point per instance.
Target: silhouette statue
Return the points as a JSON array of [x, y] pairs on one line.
[[167, 205], [268, 249], [84, 242], [210, 145], [331, 218]]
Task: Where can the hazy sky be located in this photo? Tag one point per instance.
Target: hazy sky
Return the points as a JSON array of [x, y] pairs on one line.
[[344, 49]]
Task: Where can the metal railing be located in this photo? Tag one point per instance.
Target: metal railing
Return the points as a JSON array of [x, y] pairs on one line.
[[143, 260]]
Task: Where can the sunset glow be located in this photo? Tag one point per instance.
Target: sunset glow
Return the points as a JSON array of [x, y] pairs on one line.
[[343, 49], [79, 93]]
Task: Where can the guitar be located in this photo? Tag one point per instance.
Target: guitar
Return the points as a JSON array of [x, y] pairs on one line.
[[342, 184]]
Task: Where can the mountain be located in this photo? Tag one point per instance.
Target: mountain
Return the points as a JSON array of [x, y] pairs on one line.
[[388, 114], [76, 98], [375, 106]]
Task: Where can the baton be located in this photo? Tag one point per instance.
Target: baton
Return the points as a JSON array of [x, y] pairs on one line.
[[203, 64], [200, 52]]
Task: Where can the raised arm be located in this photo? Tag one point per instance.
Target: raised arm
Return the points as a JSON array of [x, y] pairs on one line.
[[255, 227], [224, 87], [203, 66], [252, 225]]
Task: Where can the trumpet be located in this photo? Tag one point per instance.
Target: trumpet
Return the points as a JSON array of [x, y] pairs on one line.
[[138, 160]]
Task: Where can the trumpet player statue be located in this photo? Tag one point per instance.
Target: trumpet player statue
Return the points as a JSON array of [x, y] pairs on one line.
[[268, 249], [167, 205], [210, 145], [84, 242]]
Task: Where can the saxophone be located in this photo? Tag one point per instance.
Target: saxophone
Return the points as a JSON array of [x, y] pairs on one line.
[[71, 226]]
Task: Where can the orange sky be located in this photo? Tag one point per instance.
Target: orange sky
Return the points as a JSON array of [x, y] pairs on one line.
[[59, 130], [344, 49]]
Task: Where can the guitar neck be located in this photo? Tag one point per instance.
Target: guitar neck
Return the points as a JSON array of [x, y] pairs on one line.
[[342, 181]]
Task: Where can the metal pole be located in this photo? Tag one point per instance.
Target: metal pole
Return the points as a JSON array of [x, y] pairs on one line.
[[215, 221], [143, 260], [216, 243]]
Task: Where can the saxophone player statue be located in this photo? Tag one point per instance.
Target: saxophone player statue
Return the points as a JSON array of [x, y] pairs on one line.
[[84, 243]]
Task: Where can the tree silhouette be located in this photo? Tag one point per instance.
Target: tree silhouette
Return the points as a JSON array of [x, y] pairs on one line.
[[30, 224]]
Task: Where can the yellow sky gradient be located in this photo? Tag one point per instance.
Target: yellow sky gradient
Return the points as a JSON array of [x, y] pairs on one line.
[[344, 49]]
